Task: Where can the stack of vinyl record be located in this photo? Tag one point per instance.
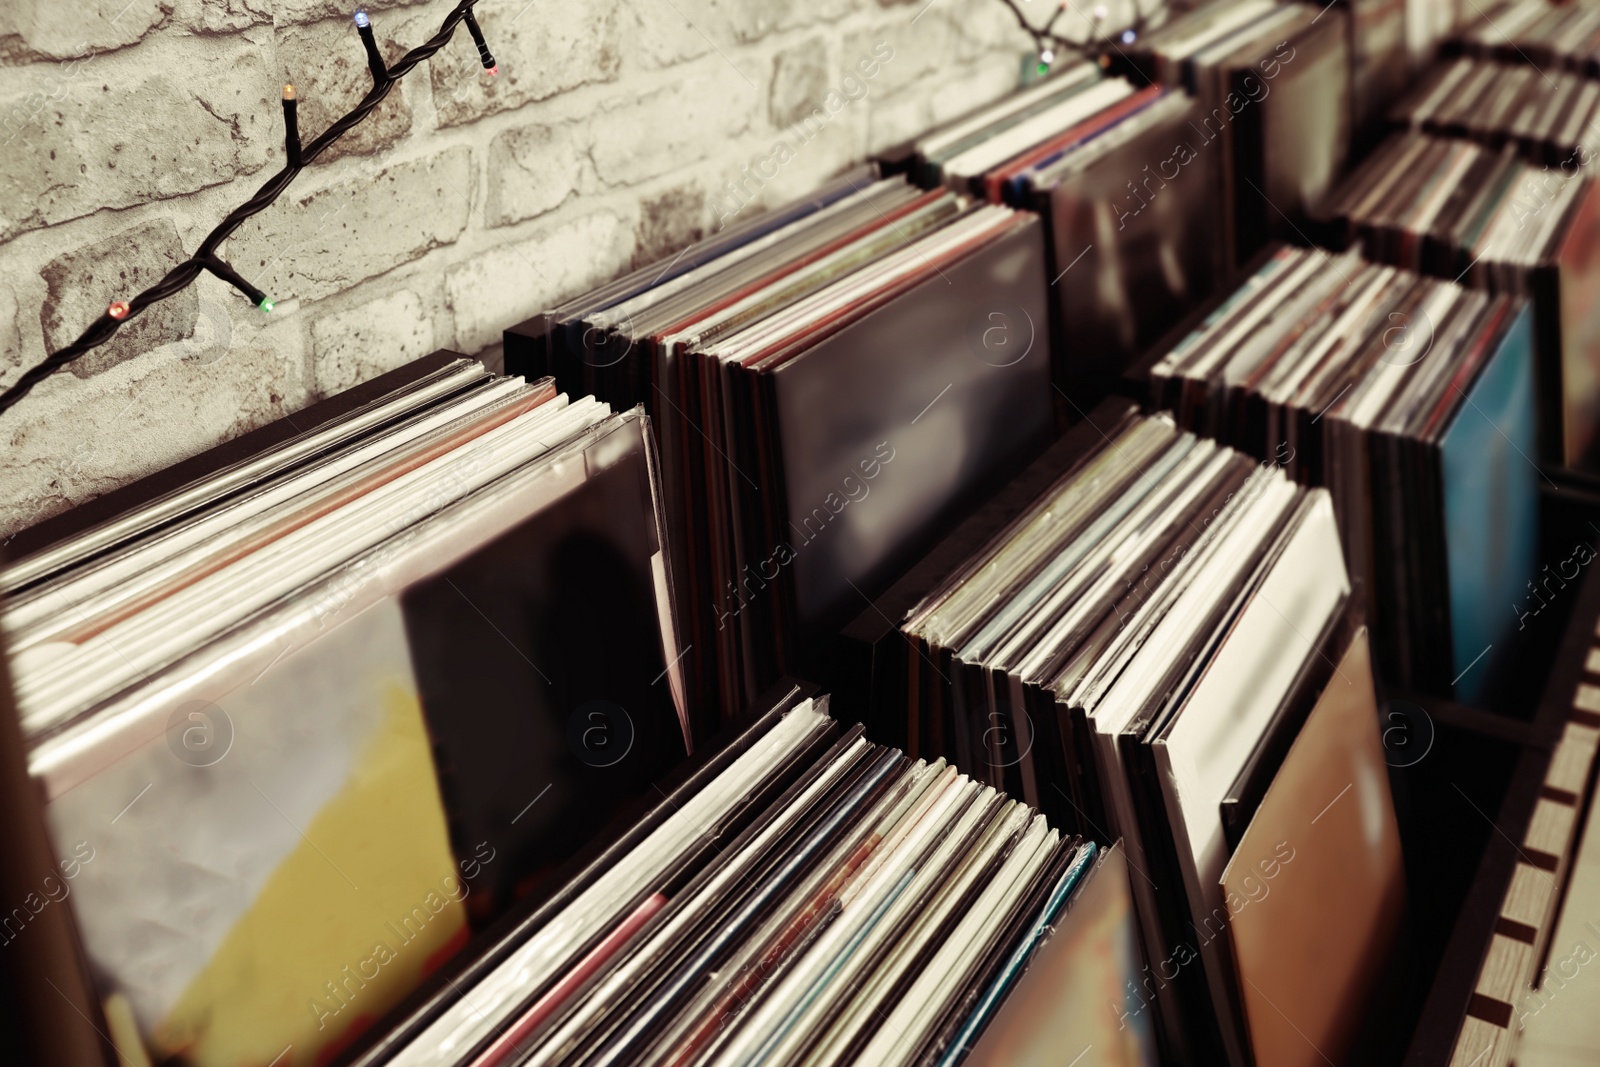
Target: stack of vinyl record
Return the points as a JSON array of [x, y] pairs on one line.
[[304, 721], [1490, 220], [1127, 207], [832, 387], [809, 897], [1138, 650], [1412, 399], [1546, 115], [1550, 36], [1273, 85]]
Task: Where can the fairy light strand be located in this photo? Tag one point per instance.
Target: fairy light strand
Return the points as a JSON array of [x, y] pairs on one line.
[[1047, 42], [297, 158]]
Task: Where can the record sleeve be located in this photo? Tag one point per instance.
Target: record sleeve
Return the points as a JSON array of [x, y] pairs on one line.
[[1316, 889]]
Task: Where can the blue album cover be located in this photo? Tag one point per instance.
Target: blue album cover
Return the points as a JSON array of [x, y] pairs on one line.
[[1491, 509]]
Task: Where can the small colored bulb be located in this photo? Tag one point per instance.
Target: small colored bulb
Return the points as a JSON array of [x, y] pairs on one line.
[[494, 70], [1100, 12], [266, 304], [118, 311], [288, 92], [1128, 36], [1043, 68], [1046, 58], [362, 22]]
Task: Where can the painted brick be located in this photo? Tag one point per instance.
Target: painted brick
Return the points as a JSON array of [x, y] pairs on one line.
[[532, 170], [222, 16], [349, 347], [543, 49], [683, 122], [327, 241], [513, 282], [119, 130], [48, 29], [799, 81]]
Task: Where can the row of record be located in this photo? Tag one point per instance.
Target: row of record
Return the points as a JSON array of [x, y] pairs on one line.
[[283, 712], [837, 380], [1412, 400], [432, 641], [829, 390], [808, 896], [809, 368], [1161, 646], [1550, 118], [399, 619], [1488, 219], [1550, 36]]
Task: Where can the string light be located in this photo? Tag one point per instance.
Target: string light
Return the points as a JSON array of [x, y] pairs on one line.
[[1047, 42], [297, 157], [369, 41], [484, 55], [291, 127]]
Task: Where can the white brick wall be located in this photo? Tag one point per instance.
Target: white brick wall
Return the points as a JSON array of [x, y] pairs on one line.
[[464, 205]]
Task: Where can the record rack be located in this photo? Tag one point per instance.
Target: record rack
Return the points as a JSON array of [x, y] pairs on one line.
[[1024, 595]]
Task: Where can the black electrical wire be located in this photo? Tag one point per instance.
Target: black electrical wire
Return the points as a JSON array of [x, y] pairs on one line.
[[183, 275]]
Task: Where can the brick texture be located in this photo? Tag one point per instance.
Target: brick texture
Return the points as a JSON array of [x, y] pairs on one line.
[[610, 137]]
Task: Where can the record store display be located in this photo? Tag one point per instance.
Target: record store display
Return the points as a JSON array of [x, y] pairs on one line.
[[1273, 84], [1135, 653], [1124, 196], [300, 702], [832, 389], [1412, 400], [1088, 569], [1491, 220]]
